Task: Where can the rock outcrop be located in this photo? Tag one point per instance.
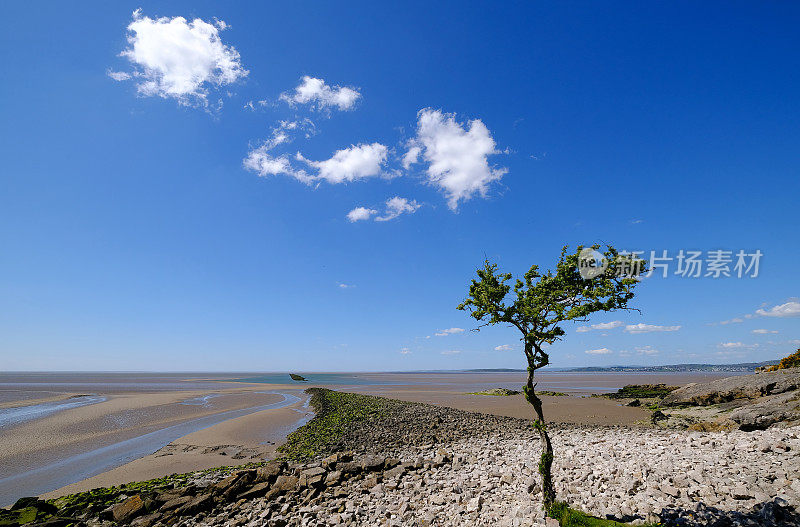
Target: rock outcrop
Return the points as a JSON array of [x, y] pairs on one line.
[[748, 402], [735, 388]]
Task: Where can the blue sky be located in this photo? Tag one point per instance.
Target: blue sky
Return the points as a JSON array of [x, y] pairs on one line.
[[233, 190]]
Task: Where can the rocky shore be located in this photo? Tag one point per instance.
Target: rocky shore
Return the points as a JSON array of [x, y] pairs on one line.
[[372, 461], [747, 402]]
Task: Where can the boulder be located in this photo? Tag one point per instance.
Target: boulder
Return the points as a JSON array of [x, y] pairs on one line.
[[269, 472], [175, 503], [202, 502], [256, 491], [282, 485], [349, 467], [311, 477], [372, 463], [128, 509]]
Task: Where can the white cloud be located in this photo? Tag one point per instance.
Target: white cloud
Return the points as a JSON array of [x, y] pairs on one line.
[[451, 352], [405, 351], [350, 164], [763, 331], [733, 345], [179, 59], [345, 286], [601, 351], [411, 156], [607, 325], [396, 206], [736, 320], [119, 76], [457, 155], [360, 214], [647, 350], [649, 328], [601, 326], [259, 160], [451, 331], [321, 96], [789, 309], [503, 347], [285, 130]]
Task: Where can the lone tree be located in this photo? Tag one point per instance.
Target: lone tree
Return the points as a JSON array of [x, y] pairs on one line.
[[541, 303]]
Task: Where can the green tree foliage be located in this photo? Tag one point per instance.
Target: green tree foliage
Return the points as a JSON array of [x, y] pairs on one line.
[[539, 305]]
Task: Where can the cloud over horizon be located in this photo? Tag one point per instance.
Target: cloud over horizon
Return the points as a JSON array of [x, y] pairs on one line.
[[789, 309], [648, 328], [601, 326], [600, 351], [450, 331]]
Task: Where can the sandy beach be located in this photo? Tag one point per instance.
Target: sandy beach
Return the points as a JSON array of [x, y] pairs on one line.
[[123, 434], [141, 427]]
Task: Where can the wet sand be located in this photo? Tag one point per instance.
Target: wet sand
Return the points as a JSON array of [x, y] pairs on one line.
[[456, 391], [149, 426], [252, 437], [41, 454]]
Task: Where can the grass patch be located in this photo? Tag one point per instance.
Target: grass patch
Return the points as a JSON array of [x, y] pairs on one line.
[[502, 392], [642, 391], [335, 414], [568, 517]]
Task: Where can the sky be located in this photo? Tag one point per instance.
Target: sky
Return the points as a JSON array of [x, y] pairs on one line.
[[252, 186]]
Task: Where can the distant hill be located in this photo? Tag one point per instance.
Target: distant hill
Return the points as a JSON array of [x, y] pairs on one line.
[[741, 367]]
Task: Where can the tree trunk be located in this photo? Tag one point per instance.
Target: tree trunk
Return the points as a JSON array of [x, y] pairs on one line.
[[546, 461]]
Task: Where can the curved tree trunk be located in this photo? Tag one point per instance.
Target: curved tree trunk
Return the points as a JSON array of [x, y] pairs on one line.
[[546, 460]]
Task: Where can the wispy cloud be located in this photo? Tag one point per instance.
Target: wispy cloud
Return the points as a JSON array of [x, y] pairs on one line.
[[317, 93], [396, 206], [735, 345], [260, 161], [345, 286], [599, 351], [451, 352], [789, 309], [764, 331], [503, 347], [405, 351], [450, 331], [601, 326], [649, 328], [647, 350]]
